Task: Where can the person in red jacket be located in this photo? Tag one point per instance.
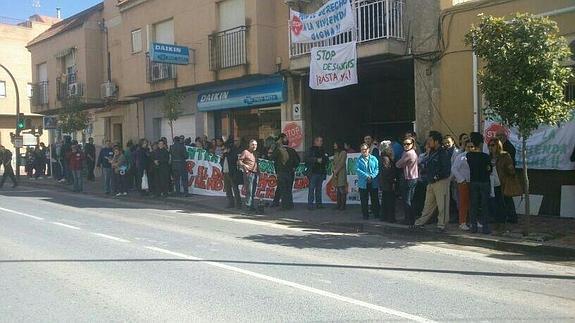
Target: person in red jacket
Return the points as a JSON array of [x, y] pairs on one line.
[[76, 161]]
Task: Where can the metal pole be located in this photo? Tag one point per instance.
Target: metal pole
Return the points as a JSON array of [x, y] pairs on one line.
[[17, 115]]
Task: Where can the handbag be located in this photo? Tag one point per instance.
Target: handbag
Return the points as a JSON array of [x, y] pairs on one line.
[[145, 185], [513, 187]]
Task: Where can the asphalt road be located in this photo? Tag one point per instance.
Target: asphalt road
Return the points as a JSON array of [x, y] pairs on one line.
[[68, 257]]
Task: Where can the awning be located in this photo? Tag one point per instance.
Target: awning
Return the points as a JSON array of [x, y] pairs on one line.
[[65, 52], [266, 91]]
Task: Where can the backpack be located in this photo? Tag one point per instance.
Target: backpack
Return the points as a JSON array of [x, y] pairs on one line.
[[293, 160]]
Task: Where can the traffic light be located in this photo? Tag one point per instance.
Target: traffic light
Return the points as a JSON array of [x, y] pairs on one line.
[[21, 125]]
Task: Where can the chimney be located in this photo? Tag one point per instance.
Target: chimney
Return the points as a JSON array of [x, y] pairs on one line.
[[58, 14]]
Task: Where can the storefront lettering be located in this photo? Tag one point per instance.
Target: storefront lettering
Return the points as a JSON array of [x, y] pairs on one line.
[[166, 48], [217, 96]]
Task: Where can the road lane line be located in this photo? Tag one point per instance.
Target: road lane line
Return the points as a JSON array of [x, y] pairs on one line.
[[22, 214], [66, 225], [111, 237], [305, 288]]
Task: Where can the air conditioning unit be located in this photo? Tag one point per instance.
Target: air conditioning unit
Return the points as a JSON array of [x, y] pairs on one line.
[[73, 89], [108, 90]]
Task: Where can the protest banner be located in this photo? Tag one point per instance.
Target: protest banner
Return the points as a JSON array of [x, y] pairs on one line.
[[547, 148], [333, 67], [332, 19], [206, 178]]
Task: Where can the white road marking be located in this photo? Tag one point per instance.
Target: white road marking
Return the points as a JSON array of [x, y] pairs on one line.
[[305, 288], [22, 214], [111, 237], [66, 225]]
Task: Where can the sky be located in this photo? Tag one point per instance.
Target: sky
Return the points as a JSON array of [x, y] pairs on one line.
[[22, 9]]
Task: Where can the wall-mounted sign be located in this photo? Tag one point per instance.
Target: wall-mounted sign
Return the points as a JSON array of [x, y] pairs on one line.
[[294, 132], [333, 18], [296, 111], [170, 54], [50, 122], [267, 93]]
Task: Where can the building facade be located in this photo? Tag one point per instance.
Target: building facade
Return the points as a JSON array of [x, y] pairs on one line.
[[14, 35]]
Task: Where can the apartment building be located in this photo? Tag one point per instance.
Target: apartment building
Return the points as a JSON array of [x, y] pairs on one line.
[[14, 35], [397, 87]]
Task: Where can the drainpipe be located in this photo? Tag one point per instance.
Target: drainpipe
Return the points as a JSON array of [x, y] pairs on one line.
[[475, 96]]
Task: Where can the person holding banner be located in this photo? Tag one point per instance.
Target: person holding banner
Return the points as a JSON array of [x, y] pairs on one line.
[[248, 163], [367, 169]]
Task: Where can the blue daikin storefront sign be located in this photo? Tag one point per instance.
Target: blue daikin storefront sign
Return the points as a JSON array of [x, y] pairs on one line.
[[170, 54], [267, 92]]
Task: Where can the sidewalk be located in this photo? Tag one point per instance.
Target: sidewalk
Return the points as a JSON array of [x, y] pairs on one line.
[[554, 237]]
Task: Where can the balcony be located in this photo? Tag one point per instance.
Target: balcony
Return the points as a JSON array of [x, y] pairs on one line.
[[40, 94], [228, 48], [69, 87], [158, 72], [376, 19]]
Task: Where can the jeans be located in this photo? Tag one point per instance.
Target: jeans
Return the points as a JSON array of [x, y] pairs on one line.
[[407, 188], [180, 177], [8, 173], [479, 204], [315, 187], [365, 194], [107, 175], [91, 165], [120, 183], [251, 182], [232, 191], [78, 181]]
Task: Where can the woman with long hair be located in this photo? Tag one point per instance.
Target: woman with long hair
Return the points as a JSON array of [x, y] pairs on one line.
[[503, 208], [340, 174]]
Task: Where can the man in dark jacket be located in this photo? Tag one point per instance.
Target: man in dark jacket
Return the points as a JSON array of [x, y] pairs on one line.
[[178, 155], [438, 166], [104, 158], [6, 160], [316, 161], [90, 152], [285, 161], [161, 159], [233, 177]]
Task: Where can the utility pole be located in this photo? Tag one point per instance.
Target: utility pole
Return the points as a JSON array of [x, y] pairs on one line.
[[17, 116]]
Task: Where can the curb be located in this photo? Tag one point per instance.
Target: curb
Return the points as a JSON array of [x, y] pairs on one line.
[[524, 247]]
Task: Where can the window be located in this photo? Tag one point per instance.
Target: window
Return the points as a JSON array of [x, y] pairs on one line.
[[164, 32], [231, 14], [42, 73], [29, 90], [136, 41], [2, 89]]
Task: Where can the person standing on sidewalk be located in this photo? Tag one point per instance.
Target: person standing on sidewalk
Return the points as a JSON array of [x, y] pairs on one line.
[[178, 155], [340, 174], [141, 164], [285, 161], [480, 183], [76, 160], [367, 169], [90, 151], [232, 175], [248, 163], [316, 162], [161, 158], [387, 175], [120, 168], [461, 175], [6, 159], [104, 158], [438, 165], [408, 182]]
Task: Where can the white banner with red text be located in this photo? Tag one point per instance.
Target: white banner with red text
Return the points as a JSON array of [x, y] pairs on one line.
[[332, 67], [332, 19]]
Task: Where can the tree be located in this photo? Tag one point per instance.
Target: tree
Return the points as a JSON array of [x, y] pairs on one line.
[[73, 117], [522, 78], [172, 106]]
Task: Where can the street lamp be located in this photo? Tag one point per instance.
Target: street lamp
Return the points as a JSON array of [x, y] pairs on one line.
[[17, 119]]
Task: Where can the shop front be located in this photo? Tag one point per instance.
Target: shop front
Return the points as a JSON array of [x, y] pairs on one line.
[[246, 109]]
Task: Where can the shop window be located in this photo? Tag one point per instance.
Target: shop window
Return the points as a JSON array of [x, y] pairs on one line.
[[2, 89], [257, 123], [136, 41]]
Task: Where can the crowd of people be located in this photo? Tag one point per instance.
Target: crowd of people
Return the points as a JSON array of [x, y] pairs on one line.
[[473, 180]]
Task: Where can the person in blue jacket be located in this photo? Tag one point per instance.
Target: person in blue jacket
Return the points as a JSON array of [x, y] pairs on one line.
[[367, 170]]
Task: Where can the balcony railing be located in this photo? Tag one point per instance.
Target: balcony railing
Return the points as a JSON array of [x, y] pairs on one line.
[[228, 48], [68, 87], [157, 72], [375, 19], [40, 93]]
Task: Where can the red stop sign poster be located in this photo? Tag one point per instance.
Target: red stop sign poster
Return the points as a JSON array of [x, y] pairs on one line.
[[294, 132], [493, 129]]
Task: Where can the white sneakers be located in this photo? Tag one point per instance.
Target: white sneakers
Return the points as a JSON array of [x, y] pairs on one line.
[[464, 227]]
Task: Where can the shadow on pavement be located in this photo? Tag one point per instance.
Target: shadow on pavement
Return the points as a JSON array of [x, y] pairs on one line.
[[265, 263]]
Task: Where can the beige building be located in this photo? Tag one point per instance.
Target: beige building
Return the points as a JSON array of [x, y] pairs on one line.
[[14, 35]]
